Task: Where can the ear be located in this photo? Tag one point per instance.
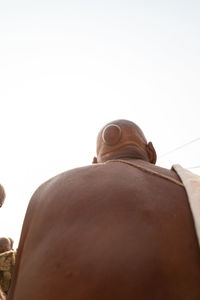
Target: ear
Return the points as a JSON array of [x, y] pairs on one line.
[[94, 160], [151, 153]]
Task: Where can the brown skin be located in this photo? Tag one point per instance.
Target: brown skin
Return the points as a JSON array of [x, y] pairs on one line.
[[2, 195], [123, 139], [109, 231]]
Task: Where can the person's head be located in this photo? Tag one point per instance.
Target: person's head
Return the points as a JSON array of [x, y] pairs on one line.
[[2, 195], [123, 139], [5, 244]]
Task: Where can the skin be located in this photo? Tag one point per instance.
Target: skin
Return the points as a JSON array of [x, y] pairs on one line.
[[2, 296], [2, 195], [109, 231]]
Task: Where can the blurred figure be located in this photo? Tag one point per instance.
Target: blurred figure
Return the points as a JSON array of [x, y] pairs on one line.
[[6, 244], [2, 195], [7, 262]]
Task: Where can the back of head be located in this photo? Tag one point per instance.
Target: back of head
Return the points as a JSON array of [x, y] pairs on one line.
[[123, 139], [2, 195], [5, 244]]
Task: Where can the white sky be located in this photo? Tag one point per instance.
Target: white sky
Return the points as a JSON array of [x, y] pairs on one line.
[[69, 67]]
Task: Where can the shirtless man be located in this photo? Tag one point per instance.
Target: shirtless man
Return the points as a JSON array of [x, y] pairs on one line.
[[120, 229]]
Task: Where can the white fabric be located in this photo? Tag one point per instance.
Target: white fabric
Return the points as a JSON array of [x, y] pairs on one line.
[[192, 186]]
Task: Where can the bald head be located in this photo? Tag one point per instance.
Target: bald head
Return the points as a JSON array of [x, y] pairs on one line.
[[5, 244], [2, 195], [123, 139]]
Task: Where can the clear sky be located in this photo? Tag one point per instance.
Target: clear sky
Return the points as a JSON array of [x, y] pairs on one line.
[[69, 67]]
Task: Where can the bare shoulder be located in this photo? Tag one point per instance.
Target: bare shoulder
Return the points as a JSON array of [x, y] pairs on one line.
[[71, 179]]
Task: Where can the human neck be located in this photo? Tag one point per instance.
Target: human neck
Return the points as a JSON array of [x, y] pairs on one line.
[[128, 153]]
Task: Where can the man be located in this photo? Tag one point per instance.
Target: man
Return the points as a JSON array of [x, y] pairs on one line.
[[119, 229], [7, 262]]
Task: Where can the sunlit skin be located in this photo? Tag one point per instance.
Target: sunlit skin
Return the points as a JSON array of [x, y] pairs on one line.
[[2, 296], [123, 139], [109, 230]]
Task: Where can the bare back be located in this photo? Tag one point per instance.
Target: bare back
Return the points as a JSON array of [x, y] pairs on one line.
[[108, 231]]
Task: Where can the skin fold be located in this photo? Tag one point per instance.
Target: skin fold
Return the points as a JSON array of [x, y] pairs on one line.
[[109, 230]]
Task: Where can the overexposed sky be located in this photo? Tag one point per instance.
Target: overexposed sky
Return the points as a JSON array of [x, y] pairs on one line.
[[69, 67]]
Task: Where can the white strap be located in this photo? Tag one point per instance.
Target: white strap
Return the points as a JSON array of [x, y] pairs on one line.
[[192, 186]]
